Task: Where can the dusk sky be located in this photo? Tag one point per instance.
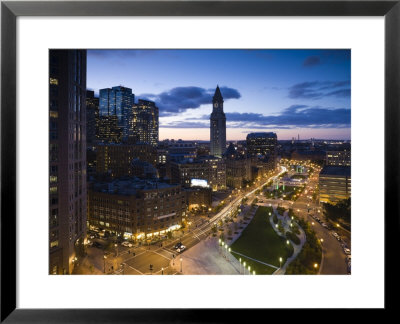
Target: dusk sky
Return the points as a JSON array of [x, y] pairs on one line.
[[290, 92]]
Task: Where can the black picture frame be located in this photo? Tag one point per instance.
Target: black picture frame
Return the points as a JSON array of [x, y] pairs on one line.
[[10, 10]]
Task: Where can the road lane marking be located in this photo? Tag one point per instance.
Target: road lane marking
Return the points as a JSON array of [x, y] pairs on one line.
[[135, 269], [161, 255]]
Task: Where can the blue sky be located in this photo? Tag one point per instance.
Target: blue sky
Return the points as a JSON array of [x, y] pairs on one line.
[[290, 92]]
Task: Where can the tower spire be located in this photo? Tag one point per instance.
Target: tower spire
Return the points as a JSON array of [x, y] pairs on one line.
[[218, 95]]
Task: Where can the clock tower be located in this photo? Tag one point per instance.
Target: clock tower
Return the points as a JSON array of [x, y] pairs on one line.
[[217, 125]]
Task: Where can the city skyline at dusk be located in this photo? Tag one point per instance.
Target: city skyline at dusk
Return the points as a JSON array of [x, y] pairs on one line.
[[290, 92]]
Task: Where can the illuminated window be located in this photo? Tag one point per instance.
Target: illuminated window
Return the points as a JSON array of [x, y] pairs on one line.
[[53, 190], [53, 114], [53, 244], [53, 81]]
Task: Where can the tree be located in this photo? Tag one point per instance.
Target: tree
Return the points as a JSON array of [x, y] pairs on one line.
[[280, 227], [339, 211]]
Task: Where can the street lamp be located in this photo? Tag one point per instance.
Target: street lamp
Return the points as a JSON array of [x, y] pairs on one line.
[[162, 271], [287, 242], [315, 265], [104, 259], [280, 262], [181, 264], [116, 249], [244, 267], [240, 265]]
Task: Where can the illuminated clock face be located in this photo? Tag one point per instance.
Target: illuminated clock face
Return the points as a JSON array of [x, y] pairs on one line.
[[216, 105]]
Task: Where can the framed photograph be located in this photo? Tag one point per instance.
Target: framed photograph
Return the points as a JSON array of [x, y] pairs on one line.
[[162, 158]]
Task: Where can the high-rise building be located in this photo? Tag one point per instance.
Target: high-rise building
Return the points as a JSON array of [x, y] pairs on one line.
[[108, 130], [338, 158], [118, 101], [92, 117], [217, 125], [238, 167], [67, 159], [143, 126], [115, 159], [334, 183], [262, 144]]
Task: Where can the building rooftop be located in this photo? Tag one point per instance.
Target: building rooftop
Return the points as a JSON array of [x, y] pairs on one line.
[[129, 186], [336, 170], [262, 135]]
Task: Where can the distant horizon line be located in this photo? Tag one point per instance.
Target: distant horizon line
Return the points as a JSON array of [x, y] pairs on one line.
[[308, 139]]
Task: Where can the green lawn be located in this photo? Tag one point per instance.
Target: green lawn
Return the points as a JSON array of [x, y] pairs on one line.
[[259, 241]]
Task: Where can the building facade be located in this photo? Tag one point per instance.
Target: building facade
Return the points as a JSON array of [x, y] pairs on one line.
[[136, 208], [217, 125], [334, 183], [108, 130], [338, 158], [198, 198], [208, 168], [116, 159], [262, 144], [143, 127], [92, 118], [117, 101], [67, 159], [238, 167]]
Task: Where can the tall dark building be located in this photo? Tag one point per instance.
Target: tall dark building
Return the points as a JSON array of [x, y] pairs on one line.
[[261, 144], [264, 144], [143, 126], [217, 125], [67, 159], [118, 101], [92, 117]]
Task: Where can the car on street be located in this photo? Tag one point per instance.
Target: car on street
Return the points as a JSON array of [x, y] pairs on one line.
[[180, 249], [177, 245], [347, 251], [335, 234], [127, 244]]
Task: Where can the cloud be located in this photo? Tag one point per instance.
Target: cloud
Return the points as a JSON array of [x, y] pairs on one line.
[[328, 57], [180, 99], [320, 89], [186, 124], [311, 61], [295, 116]]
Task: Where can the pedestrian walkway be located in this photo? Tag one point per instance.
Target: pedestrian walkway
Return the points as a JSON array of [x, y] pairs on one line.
[[204, 258], [285, 219], [207, 257]]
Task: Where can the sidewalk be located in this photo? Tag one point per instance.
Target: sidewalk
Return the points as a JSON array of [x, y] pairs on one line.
[[204, 259], [207, 257], [285, 219]]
